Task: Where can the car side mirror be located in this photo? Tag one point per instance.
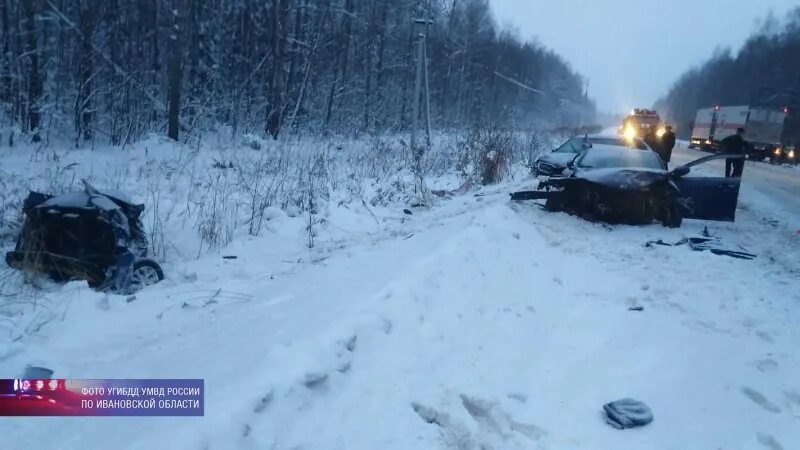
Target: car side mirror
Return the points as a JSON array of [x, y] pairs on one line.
[[681, 171]]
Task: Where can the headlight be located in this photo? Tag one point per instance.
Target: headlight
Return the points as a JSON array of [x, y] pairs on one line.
[[661, 132], [778, 151], [791, 154], [630, 132], [708, 141]]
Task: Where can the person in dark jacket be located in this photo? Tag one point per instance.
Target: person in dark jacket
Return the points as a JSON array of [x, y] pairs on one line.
[[734, 145], [667, 144]]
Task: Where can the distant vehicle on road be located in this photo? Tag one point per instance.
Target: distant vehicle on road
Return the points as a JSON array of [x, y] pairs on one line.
[[786, 154], [763, 128], [640, 122], [555, 162]]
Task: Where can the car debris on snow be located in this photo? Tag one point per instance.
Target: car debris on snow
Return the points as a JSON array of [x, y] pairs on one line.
[[37, 373], [710, 243], [627, 413]]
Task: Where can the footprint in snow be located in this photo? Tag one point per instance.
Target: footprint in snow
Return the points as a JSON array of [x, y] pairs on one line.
[[759, 399], [768, 441], [794, 402], [764, 336], [767, 365], [490, 416], [315, 381], [263, 402]]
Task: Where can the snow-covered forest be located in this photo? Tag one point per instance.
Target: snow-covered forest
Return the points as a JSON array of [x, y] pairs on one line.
[[766, 71], [97, 72]]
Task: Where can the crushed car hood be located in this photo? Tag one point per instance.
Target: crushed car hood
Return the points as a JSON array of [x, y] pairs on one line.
[[625, 179], [557, 159]]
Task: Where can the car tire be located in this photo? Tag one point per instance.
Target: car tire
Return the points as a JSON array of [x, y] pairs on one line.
[[144, 273], [672, 216]]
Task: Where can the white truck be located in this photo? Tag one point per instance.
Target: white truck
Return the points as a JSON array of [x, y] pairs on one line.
[[763, 127]]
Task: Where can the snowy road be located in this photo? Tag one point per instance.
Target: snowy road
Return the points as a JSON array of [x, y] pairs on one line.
[[777, 185], [478, 324]]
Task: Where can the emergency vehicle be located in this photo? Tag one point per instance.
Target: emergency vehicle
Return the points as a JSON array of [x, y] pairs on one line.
[[763, 127]]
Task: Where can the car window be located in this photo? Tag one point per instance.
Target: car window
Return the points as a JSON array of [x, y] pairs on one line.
[[574, 145], [597, 159]]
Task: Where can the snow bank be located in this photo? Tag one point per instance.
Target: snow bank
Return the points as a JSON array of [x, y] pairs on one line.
[[474, 324]]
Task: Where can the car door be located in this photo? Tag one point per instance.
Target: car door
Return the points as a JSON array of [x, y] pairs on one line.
[[709, 198]]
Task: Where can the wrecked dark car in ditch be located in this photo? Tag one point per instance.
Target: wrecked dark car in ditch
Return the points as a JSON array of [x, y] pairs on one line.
[[91, 235], [626, 185]]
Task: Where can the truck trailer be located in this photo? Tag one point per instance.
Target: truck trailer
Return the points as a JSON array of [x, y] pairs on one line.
[[763, 127]]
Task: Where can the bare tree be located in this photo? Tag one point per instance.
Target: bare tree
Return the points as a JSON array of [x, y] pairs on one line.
[[34, 75], [175, 77], [83, 109]]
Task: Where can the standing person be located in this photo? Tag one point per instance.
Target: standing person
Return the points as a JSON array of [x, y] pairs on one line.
[[734, 145], [667, 144]]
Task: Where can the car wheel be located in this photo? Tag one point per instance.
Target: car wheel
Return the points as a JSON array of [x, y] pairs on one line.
[[145, 272], [672, 216]]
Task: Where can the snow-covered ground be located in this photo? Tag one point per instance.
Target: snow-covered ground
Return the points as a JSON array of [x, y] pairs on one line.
[[476, 324]]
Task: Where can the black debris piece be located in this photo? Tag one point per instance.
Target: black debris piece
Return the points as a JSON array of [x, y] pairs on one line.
[[38, 373], [627, 413], [712, 244], [636, 308], [407, 211]]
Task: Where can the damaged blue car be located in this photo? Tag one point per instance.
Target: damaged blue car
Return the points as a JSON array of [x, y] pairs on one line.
[[90, 235], [626, 185]]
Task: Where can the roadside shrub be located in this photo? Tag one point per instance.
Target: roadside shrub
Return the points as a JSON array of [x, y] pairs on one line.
[[490, 151]]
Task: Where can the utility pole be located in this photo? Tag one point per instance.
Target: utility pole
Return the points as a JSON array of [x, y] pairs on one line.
[[421, 77]]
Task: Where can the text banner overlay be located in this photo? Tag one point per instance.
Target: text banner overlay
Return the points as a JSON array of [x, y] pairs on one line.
[[128, 397]]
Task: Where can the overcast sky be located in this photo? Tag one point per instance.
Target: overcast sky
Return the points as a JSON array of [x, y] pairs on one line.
[[632, 50]]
